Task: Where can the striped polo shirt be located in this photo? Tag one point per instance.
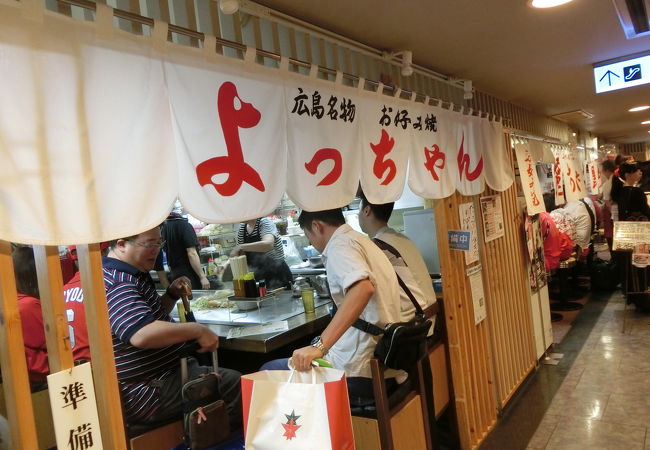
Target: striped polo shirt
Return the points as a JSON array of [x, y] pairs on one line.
[[133, 303], [263, 226]]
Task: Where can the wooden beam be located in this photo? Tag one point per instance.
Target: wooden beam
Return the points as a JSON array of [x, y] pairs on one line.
[[109, 406], [50, 287], [20, 411]]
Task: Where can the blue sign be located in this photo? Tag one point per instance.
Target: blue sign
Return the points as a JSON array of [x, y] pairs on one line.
[[458, 240], [622, 74]]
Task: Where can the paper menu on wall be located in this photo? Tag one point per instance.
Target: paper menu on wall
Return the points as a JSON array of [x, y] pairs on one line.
[[478, 293], [468, 223]]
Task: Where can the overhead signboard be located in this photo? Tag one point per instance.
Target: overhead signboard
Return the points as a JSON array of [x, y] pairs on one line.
[[622, 74]]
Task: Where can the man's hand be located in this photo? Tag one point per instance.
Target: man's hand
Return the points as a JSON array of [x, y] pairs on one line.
[[181, 286], [205, 283], [303, 357], [208, 340], [236, 251]]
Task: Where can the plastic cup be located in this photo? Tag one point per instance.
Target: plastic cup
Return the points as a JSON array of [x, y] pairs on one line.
[[308, 300]]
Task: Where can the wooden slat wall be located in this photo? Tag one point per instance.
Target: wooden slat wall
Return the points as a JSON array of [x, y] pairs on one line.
[[508, 305], [469, 345]]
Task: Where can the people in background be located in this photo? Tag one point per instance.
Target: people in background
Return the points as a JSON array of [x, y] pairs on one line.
[[373, 220], [363, 285], [181, 248], [73, 297], [31, 317], [607, 169], [258, 239], [147, 343], [632, 203]]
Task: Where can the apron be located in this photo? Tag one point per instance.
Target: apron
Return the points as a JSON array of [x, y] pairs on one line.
[[275, 272]]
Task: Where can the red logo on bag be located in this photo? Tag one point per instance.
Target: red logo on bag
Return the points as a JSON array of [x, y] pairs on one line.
[[291, 426]]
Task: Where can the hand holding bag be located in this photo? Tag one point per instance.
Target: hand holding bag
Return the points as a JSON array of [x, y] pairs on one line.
[[301, 410]]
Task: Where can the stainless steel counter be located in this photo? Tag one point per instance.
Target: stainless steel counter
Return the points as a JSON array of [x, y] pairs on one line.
[[284, 307]]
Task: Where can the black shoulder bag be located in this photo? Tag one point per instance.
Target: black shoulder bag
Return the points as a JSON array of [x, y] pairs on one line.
[[401, 343]]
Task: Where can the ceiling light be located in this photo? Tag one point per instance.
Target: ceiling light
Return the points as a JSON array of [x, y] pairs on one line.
[[229, 6], [547, 3], [645, 122], [639, 108]]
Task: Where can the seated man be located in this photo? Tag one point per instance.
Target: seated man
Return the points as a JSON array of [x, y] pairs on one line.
[[363, 285], [146, 340], [373, 220]]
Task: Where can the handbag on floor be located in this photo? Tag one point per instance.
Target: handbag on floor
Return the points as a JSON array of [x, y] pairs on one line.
[[301, 410], [205, 417]]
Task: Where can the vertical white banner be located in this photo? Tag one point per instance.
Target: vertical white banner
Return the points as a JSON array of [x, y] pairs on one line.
[[74, 410], [529, 181], [558, 178], [574, 183]]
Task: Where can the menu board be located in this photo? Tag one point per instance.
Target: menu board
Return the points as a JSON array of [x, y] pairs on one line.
[[468, 223], [628, 234], [492, 213]]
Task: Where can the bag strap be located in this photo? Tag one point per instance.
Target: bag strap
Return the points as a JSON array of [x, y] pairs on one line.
[[591, 215], [386, 246], [370, 328]]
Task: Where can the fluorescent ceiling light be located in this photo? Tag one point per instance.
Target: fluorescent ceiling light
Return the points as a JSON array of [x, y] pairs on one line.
[[639, 108], [645, 122], [547, 3]]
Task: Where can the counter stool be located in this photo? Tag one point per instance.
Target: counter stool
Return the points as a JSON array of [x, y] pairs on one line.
[[563, 277], [164, 434], [396, 421]]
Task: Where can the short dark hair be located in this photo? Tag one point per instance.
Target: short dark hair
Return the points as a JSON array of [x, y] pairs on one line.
[[333, 217], [381, 212], [608, 165], [627, 167], [620, 159], [25, 271]]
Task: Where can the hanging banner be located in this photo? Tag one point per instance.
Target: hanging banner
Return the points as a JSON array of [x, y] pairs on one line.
[[498, 171], [469, 156], [386, 139], [124, 123], [574, 185], [229, 131], [323, 143], [594, 178], [529, 180], [433, 169], [558, 180]]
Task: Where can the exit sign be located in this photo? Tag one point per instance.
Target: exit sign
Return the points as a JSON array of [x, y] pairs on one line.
[[622, 74]]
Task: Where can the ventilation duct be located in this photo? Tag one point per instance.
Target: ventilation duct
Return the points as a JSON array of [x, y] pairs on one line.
[[573, 116], [633, 15]]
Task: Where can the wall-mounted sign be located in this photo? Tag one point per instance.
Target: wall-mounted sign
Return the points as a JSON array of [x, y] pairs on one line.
[[458, 240], [622, 74]]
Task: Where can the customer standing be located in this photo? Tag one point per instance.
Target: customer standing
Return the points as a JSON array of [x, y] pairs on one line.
[[632, 203], [373, 220], [147, 342], [181, 246], [258, 239]]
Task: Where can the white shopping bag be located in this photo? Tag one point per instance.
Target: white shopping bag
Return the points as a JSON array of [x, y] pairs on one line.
[[299, 410]]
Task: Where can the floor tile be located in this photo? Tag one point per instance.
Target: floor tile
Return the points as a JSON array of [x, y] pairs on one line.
[[580, 434], [628, 409], [544, 431]]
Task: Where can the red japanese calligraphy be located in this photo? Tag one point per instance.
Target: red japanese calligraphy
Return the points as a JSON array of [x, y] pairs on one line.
[[232, 118], [464, 163], [535, 199], [381, 165], [575, 183], [434, 159], [322, 155]]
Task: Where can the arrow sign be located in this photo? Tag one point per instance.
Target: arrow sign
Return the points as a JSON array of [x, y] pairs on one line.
[[609, 74], [624, 73]]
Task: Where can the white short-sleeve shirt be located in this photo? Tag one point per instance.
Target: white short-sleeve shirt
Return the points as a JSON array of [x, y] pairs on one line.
[[349, 257]]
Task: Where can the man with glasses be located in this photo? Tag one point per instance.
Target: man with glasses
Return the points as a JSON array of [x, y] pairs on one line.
[[147, 342]]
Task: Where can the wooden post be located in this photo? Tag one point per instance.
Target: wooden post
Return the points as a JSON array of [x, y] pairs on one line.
[[20, 411], [107, 390], [50, 287]]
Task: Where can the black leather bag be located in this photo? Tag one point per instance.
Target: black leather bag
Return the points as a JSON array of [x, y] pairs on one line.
[[205, 418], [401, 343]]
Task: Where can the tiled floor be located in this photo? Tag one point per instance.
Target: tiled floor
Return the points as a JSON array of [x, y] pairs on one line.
[[598, 397], [604, 401]]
